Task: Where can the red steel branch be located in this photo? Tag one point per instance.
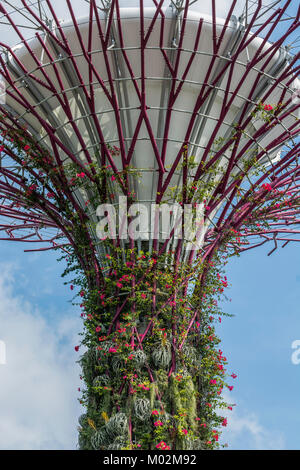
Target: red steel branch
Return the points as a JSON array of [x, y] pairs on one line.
[[228, 207]]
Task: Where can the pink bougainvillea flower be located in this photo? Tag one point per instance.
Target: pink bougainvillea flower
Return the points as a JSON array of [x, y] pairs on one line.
[[158, 423], [267, 187], [234, 376], [268, 107], [154, 412], [230, 387], [224, 422], [121, 330], [184, 431], [162, 445]]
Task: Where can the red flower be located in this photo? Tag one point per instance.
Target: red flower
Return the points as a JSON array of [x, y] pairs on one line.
[[268, 107], [162, 445], [158, 423], [267, 187], [76, 348]]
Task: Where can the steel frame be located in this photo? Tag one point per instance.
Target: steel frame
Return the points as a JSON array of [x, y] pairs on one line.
[[223, 201]]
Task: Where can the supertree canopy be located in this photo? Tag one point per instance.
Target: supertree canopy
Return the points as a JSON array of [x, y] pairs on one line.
[[147, 145]]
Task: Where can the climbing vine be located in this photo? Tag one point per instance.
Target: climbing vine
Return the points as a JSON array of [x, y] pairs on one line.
[[156, 376]]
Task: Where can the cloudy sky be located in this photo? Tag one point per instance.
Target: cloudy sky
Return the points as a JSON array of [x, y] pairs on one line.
[[257, 342], [38, 399], [38, 385]]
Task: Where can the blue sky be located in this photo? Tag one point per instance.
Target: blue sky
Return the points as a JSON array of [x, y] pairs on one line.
[[38, 392], [257, 341]]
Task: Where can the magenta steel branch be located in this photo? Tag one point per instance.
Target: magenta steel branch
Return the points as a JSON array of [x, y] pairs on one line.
[[29, 92]]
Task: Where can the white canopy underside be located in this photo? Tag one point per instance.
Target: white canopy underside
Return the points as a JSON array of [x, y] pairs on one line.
[[157, 87]]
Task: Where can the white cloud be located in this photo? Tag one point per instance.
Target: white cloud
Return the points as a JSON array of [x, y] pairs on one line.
[[38, 398], [245, 431]]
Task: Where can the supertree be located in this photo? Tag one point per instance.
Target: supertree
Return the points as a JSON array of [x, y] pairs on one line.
[[165, 106]]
